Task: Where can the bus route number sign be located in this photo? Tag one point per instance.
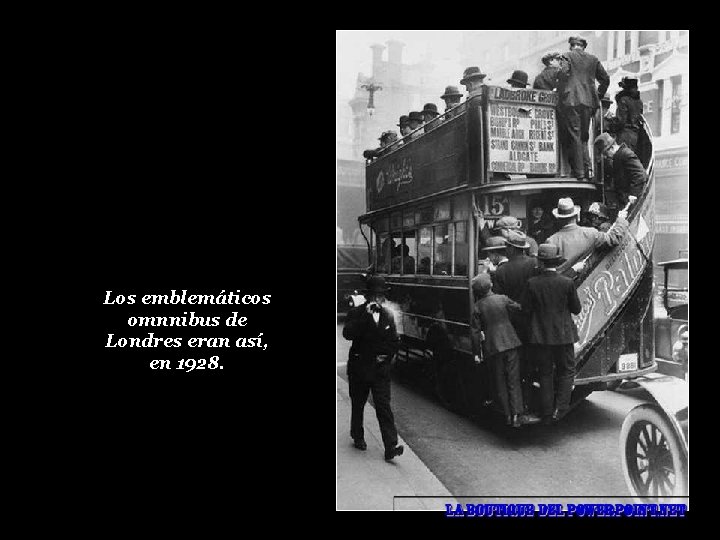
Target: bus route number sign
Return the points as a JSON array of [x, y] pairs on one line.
[[522, 130]]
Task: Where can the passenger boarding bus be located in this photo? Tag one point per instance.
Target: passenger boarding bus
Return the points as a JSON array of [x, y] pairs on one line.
[[498, 155]]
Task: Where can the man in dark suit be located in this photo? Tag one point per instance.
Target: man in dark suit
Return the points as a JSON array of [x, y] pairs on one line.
[[371, 327], [578, 101], [628, 173], [492, 331], [549, 301], [511, 279]]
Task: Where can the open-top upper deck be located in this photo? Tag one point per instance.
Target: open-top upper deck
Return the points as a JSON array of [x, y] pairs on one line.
[[499, 138]]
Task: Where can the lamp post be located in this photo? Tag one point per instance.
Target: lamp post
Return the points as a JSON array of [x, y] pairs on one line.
[[371, 87]]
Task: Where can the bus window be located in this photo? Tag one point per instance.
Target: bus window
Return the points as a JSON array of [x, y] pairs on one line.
[[443, 251], [410, 246], [424, 251], [461, 249], [395, 251]]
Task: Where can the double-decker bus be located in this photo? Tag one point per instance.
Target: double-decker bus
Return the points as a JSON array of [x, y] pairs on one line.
[[498, 155]]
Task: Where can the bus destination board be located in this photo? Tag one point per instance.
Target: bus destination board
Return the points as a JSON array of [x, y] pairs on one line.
[[522, 131]]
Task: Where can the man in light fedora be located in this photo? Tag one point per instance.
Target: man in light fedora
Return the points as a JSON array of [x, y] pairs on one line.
[[550, 301], [575, 242], [375, 341], [518, 79], [473, 80]]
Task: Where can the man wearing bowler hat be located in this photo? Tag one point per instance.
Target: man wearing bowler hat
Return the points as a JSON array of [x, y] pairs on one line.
[[416, 120], [575, 242], [430, 113], [371, 327], [473, 80], [578, 101], [494, 251], [629, 112], [505, 224], [550, 301], [518, 79]]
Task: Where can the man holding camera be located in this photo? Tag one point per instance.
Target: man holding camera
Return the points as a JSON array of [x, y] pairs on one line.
[[375, 341]]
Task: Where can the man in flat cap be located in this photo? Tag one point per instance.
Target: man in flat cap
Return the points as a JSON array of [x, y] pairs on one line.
[[578, 101], [547, 78]]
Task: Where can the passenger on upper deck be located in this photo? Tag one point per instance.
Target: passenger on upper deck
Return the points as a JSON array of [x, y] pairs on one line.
[[578, 101], [505, 224], [429, 113], [518, 79], [404, 125], [451, 97], [575, 242], [416, 120], [390, 138], [473, 80], [548, 77], [540, 225], [629, 111], [627, 170]]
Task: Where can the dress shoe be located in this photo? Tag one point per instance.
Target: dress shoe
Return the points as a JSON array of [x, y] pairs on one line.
[[527, 419], [397, 451], [360, 444]]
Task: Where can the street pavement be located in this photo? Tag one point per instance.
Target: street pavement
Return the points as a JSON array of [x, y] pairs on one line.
[[365, 481]]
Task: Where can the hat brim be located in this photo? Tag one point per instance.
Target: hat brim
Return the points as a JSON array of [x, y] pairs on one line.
[[575, 212], [527, 245], [493, 248], [473, 76], [510, 81], [451, 95], [554, 260]]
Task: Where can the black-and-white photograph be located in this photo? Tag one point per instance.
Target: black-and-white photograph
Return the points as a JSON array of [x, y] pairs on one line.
[[512, 269]]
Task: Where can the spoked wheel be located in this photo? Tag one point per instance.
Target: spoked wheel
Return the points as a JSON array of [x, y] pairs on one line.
[[653, 457]]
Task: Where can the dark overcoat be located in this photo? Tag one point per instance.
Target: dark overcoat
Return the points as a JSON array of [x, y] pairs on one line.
[[550, 300]]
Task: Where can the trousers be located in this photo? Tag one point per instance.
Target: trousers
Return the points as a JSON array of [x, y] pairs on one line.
[[576, 124], [561, 359], [360, 387], [505, 368]]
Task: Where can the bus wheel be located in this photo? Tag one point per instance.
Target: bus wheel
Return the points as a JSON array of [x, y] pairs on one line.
[[653, 460]]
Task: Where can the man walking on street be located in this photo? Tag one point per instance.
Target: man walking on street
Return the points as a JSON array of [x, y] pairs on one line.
[[578, 101], [371, 327], [549, 301]]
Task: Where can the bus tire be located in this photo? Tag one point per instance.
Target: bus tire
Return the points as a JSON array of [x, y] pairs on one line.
[[652, 455]]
